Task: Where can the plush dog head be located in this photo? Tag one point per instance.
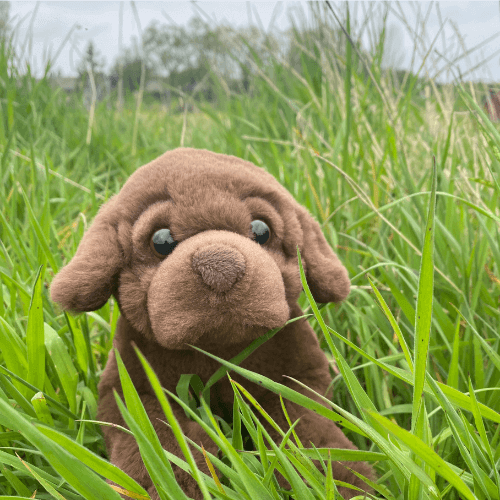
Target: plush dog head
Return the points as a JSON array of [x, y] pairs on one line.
[[200, 248]]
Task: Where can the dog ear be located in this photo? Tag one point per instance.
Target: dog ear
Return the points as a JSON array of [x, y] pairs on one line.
[[326, 276], [87, 282]]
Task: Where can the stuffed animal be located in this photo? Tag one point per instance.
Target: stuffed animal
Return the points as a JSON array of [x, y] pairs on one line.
[[200, 249]]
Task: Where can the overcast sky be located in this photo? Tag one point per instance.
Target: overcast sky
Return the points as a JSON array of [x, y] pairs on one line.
[[99, 21]]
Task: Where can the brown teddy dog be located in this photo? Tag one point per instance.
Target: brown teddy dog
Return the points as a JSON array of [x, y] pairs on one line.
[[200, 248]]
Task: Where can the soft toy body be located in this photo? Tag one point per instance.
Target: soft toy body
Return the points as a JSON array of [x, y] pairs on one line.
[[200, 248]]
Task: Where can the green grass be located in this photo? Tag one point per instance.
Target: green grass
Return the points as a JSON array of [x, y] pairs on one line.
[[406, 189]]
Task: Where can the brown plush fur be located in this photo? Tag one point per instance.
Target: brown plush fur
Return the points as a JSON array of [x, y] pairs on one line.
[[219, 289]]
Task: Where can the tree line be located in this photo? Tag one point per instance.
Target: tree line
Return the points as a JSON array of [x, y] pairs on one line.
[[197, 58]]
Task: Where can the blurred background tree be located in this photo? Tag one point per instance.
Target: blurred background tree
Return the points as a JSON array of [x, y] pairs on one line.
[[4, 19], [93, 63], [201, 60], [132, 61]]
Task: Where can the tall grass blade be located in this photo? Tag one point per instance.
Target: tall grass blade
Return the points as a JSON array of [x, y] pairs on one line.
[[88, 484], [174, 424], [35, 336], [423, 315], [149, 444], [427, 454], [96, 463]]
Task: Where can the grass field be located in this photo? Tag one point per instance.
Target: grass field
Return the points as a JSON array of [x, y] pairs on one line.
[[415, 350]]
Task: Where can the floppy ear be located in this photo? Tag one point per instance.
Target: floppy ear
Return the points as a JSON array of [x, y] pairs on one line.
[[87, 282], [326, 276]]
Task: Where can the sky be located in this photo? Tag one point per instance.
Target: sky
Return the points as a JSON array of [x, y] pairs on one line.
[[63, 29]]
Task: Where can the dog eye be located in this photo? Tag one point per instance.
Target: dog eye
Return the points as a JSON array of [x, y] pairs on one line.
[[162, 242], [261, 231]]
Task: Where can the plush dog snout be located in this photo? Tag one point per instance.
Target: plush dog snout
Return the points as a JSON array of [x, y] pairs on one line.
[[217, 285], [220, 266]]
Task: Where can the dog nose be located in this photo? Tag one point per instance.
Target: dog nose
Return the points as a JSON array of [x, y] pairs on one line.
[[220, 266]]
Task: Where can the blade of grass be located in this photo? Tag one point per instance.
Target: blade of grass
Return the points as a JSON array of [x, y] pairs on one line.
[[252, 485], [82, 355], [423, 314], [337, 454], [285, 391], [49, 487], [307, 468], [239, 358], [482, 433], [95, 462], [453, 370], [493, 356], [34, 389], [359, 425], [395, 326], [456, 397], [41, 237], [174, 424], [464, 441], [87, 483], [63, 365], [42, 411], [161, 474], [427, 454], [13, 349], [357, 392], [16, 483], [35, 337], [244, 474], [149, 445]]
